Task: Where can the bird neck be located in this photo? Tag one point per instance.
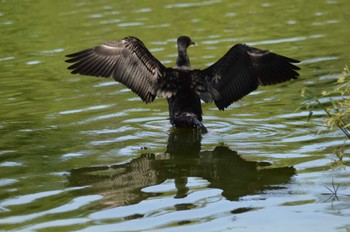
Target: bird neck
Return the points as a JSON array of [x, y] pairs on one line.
[[183, 61]]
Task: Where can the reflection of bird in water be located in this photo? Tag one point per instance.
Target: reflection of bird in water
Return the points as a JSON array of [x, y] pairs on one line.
[[240, 71], [122, 184]]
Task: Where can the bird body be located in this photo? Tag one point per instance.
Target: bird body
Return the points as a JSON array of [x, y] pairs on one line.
[[240, 71]]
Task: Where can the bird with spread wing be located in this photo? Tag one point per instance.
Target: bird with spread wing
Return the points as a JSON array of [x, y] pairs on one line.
[[240, 71]]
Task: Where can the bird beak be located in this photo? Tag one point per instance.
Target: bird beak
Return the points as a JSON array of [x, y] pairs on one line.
[[193, 43]]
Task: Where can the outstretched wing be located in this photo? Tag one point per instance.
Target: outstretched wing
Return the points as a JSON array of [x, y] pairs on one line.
[[242, 69], [128, 61]]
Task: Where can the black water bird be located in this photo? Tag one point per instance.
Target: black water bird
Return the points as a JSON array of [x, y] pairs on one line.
[[240, 71]]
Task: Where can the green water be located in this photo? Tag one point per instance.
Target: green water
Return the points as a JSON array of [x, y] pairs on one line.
[[82, 153]]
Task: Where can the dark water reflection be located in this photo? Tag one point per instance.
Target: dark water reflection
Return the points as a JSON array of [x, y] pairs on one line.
[[223, 168]]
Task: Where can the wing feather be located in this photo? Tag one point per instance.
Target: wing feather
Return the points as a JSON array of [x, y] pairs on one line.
[[242, 69], [128, 61]]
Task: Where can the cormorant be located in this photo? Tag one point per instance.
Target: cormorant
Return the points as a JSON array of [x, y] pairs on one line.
[[240, 71]]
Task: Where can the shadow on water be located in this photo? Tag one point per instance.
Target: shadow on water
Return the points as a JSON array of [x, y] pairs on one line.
[[225, 169]]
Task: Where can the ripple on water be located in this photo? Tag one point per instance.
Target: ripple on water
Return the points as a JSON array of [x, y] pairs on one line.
[[73, 155], [74, 204], [196, 4], [33, 62], [114, 140], [108, 131], [10, 164], [143, 10], [57, 224], [7, 181], [25, 199], [7, 58], [52, 51], [159, 206], [130, 24], [170, 185], [102, 117], [85, 109]]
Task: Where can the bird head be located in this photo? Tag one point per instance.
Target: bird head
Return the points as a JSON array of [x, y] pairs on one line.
[[184, 41]]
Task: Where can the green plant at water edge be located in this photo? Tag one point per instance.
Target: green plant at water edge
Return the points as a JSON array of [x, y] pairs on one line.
[[335, 102], [337, 108]]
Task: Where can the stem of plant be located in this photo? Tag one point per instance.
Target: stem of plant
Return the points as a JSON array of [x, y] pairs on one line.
[[340, 124]]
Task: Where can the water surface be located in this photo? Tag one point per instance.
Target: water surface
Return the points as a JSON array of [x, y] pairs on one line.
[[85, 154]]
